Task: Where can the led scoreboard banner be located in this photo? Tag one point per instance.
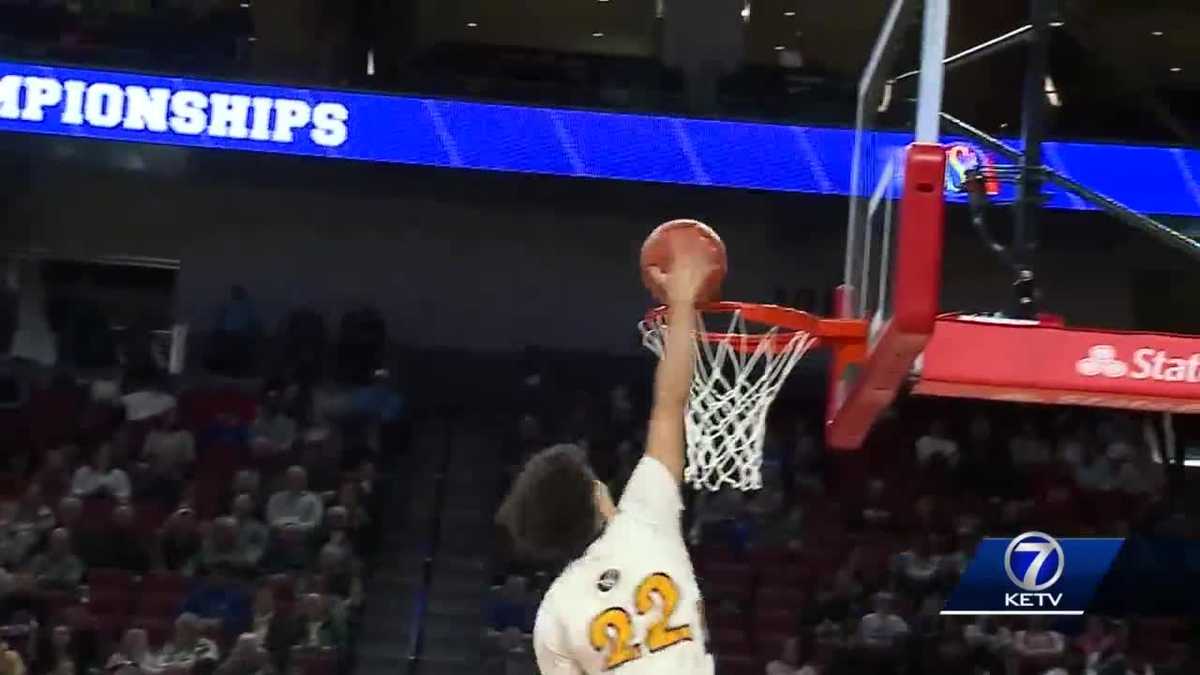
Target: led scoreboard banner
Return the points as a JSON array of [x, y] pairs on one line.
[[129, 107]]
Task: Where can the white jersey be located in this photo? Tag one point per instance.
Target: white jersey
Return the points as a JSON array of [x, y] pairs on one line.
[[631, 602]]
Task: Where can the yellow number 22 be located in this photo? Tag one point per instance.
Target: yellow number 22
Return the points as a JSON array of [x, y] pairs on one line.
[[658, 637]]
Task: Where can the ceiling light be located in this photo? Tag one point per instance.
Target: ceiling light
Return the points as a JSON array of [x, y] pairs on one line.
[[779, 48], [1004, 125], [601, 0], [597, 34], [1157, 33], [789, 13], [1176, 69], [1057, 24], [746, 12], [472, 24]]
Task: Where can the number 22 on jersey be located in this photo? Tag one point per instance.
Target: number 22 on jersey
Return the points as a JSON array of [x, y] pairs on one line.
[[613, 628]]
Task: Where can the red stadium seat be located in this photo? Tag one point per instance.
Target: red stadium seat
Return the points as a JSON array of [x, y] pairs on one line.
[[775, 619], [776, 598], [110, 601], [157, 628], [149, 517], [160, 605], [771, 556], [770, 644], [729, 641], [97, 513], [165, 582], [109, 579], [738, 664], [307, 661]]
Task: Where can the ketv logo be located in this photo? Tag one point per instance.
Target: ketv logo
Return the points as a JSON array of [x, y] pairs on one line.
[[1034, 562], [1147, 364], [1031, 574]]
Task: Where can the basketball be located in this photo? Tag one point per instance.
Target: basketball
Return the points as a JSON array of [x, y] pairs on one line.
[[656, 252]]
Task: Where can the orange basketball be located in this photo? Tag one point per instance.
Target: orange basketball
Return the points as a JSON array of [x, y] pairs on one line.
[[656, 251]]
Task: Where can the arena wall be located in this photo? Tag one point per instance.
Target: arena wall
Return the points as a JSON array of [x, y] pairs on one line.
[[494, 262]]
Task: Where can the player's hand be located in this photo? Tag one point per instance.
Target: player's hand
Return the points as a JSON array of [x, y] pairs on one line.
[[691, 265]]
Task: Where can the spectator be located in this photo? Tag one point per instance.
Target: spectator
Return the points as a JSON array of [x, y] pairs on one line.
[[788, 662], [1094, 472], [511, 605], [1071, 449], [1039, 645], [235, 334], [246, 658], [988, 642], [134, 652], [180, 542], [273, 433], [882, 629], [61, 659], [937, 445], [101, 478], [321, 629], [919, 565], [25, 529], [1138, 474], [70, 516], [58, 569], [295, 507], [53, 479], [287, 552], [219, 552], [275, 631], [120, 546], [252, 534], [11, 662], [875, 512], [1095, 640], [821, 660], [220, 602], [187, 648], [1028, 449], [337, 577], [169, 452]]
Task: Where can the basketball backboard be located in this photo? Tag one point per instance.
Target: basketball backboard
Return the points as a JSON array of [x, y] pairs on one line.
[[892, 276]]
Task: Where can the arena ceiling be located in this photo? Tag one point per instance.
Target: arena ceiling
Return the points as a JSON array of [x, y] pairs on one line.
[[1115, 63]]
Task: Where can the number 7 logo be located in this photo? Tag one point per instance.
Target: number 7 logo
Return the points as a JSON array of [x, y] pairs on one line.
[[1044, 546]]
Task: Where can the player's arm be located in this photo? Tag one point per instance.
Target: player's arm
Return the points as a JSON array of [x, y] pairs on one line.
[[690, 266]]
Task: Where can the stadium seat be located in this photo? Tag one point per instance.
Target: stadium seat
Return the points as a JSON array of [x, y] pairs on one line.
[[157, 628], [738, 664], [110, 579], [165, 583], [307, 661], [159, 605], [110, 601]]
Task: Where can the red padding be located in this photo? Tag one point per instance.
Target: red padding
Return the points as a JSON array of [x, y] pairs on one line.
[[1042, 363]]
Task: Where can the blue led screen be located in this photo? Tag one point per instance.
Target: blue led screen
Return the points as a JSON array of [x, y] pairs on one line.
[[139, 108]]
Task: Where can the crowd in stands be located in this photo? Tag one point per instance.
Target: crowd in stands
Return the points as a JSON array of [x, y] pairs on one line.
[[187, 527], [843, 561]]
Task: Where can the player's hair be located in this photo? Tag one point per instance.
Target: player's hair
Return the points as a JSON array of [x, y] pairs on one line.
[[550, 512]]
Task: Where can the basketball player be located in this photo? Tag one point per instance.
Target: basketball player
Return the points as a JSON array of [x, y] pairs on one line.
[[627, 599]]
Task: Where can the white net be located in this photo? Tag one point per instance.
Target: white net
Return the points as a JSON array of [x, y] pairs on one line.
[[736, 378]]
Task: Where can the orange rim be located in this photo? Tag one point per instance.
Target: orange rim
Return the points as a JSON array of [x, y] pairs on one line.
[[791, 321]]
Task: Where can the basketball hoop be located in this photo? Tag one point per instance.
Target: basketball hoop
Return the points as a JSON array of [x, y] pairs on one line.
[[740, 368]]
